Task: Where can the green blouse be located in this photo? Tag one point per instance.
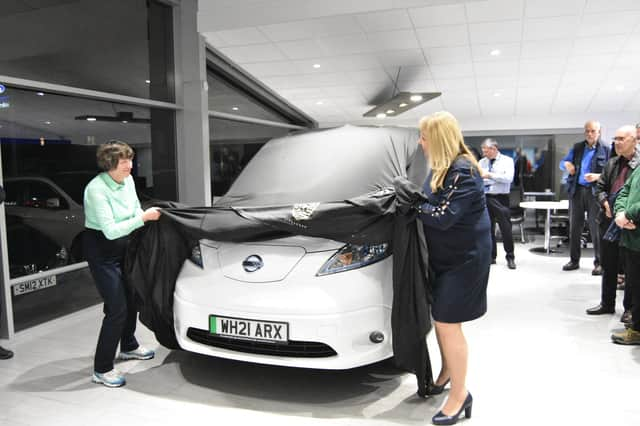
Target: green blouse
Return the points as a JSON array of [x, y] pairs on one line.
[[112, 207]]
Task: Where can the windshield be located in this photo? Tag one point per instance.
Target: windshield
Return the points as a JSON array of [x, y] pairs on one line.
[[328, 165]]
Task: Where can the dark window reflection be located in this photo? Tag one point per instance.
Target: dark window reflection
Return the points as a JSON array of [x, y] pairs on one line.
[[233, 145], [224, 97], [118, 46], [72, 291], [48, 157]]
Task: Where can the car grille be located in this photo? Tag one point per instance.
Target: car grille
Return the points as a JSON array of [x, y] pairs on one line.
[[290, 349]]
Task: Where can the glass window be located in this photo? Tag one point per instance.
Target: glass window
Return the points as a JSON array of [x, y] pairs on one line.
[[233, 145], [37, 301], [48, 145], [117, 46], [224, 97]]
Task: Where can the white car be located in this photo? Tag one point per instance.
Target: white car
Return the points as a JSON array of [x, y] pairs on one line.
[[296, 301]]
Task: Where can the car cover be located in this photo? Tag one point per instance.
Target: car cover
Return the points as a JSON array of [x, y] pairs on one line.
[[358, 185]]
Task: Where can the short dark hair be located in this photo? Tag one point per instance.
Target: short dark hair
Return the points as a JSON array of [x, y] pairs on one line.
[[110, 153]]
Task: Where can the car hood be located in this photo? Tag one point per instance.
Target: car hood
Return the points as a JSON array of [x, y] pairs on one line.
[[265, 261], [309, 244]]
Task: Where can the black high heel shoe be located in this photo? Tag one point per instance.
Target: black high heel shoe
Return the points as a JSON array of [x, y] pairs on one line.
[[433, 390], [442, 419]]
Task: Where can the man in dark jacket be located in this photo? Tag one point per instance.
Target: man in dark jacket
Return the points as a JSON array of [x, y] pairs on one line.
[[616, 172], [584, 163], [4, 353]]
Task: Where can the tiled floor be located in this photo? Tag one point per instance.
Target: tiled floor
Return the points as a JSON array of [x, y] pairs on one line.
[[536, 358]]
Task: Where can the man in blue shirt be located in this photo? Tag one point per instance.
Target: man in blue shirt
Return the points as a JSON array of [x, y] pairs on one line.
[[584, 163], [497, 171]]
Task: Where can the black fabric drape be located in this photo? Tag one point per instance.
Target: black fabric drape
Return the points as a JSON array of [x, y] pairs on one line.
[[385, 214]]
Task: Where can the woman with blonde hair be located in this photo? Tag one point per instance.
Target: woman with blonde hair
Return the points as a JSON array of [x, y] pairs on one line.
[[458, 235]]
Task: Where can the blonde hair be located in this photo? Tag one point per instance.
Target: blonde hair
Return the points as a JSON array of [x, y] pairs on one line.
[[445, 145]]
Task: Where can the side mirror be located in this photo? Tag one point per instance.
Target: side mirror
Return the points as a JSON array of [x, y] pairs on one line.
[[53, 203]]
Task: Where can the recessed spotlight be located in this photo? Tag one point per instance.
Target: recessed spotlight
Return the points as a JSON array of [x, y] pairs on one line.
[[619, 87], [124, 121], [497, 94], [91, 119], [390, 111], [415, 98], [40, 94], [319, 103], [316, 66], [381, 115], [148, 81], [402, 105], [495, 52], [47, 122], [235, 108]]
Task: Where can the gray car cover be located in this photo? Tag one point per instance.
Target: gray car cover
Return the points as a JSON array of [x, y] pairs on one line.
[[352, 184]]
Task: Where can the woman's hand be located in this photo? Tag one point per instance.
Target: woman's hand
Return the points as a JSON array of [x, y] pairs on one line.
[[621, 220], [152, 213]]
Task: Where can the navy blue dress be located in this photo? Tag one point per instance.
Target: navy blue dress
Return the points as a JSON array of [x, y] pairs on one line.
[[458, 234]]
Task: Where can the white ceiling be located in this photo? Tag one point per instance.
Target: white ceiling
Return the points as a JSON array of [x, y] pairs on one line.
[[561, 61]]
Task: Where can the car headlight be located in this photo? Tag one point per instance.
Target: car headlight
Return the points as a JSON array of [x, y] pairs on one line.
[[354, 256], [196, 256]]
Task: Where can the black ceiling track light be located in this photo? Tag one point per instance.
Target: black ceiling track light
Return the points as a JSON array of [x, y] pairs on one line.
[[400, 102], [121, 116]]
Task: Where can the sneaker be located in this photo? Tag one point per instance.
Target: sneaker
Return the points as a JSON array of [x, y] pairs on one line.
[[140, 352], [111, 379], [626, 337], [597, 270]]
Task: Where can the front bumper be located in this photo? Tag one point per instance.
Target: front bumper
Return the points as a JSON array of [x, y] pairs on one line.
[[346, 334]]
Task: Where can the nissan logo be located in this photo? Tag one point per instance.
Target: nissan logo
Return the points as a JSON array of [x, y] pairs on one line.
[[252, 263]]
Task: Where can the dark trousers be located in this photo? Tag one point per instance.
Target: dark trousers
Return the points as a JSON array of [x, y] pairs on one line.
[[583, 201], [610, 257], [105, 258], [499, 212], [632, 279]]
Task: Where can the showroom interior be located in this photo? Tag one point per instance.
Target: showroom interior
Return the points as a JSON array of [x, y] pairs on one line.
[[199, 87]]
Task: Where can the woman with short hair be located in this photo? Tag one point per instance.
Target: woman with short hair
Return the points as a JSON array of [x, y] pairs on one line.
[[112, 211], [458, 234]]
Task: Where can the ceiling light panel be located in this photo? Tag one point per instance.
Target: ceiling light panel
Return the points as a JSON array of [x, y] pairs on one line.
[[394, 103]]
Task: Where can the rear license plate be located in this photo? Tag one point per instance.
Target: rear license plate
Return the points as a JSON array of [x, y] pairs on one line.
[[34, 285], [238, 328]]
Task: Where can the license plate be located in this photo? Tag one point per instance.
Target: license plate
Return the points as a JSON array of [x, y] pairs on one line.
[[34, 285], [238, 328]]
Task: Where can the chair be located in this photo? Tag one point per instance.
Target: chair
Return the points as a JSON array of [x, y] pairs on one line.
[[561, 219], [517, 212]]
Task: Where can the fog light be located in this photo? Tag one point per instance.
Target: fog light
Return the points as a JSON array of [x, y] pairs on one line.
[[376, 337]]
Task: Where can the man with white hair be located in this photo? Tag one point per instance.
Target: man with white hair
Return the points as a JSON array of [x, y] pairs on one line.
[[626, 216], [584, 163], [497, 171], [616, 172]]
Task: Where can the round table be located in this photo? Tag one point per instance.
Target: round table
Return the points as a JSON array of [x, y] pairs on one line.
[[548, 206]]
